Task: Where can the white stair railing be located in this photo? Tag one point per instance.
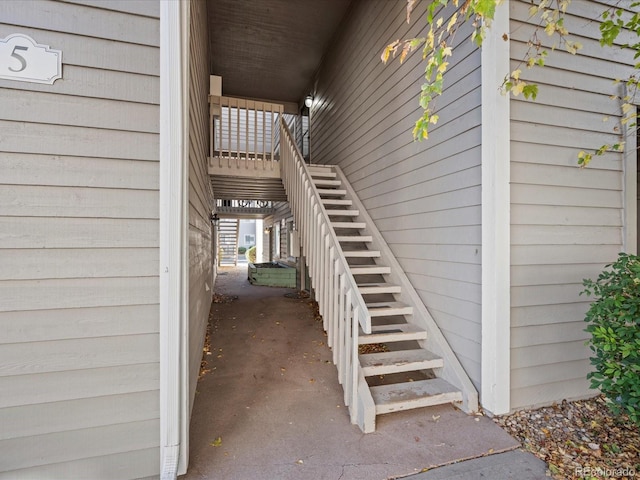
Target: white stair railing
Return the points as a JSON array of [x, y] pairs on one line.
[[340, 303]]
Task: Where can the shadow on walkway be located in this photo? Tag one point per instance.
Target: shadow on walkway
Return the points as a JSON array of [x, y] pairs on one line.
[[271, 407]]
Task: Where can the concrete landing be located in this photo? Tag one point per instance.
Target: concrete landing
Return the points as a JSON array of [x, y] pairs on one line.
[[503, 466], [271, 406]]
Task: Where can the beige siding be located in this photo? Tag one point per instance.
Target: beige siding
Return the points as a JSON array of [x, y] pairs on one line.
[[79, 246], [566, 222], [424, 197], [200, 194]]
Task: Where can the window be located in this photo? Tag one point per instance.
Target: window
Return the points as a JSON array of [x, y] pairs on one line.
[[250, 240]]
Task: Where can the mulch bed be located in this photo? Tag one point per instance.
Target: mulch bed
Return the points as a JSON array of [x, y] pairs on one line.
[[579, 440]]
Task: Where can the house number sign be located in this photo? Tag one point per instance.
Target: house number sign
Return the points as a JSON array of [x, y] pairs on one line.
[[22, 59]]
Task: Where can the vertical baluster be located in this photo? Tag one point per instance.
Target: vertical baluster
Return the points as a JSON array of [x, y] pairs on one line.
[[238, 133], [354, 364], [346, 356], [330, 292], [272, 136], [337, 353], [229, 133], [220, 130], [264, 134], [255, 134], [246, 135], [335, 296]]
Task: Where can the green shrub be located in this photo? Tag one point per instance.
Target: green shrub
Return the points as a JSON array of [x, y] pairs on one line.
[[251, 254], [614, 325], [241, 250]]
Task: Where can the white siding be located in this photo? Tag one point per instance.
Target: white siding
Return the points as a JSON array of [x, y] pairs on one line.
[[566, 222], [79, 246], [200, 194], [424, 197]]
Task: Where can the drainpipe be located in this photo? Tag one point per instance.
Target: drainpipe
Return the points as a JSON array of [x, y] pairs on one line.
[[174, 35]]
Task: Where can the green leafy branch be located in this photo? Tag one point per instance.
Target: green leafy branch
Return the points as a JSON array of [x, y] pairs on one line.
[[437, 48]]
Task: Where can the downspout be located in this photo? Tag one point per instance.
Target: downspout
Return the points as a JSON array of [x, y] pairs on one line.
[[173, 238], [496, 223]]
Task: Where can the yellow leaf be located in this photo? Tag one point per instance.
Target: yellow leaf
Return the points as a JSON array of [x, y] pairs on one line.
[[452, 21], [626, 107], [443, 67], [517, 88], [439, 22], [550, 28], [217, 442], [434, 119], [516, 74]]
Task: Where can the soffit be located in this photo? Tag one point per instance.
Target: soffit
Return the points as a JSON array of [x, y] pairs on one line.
[[270, 49]]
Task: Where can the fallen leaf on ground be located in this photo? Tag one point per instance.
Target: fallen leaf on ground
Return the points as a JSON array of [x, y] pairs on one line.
[[217, 442]]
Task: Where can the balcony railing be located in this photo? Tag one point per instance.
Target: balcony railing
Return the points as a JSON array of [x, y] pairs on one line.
[[244, 133]]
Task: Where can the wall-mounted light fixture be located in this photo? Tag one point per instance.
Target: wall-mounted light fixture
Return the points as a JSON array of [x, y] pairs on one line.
[[215, 220], [308, 101], [267, 230]]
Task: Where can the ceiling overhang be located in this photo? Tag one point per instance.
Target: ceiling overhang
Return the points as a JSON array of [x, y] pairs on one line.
[[270, 49]]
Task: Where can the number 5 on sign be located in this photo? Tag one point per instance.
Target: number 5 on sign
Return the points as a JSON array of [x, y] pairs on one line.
[[22, 59]]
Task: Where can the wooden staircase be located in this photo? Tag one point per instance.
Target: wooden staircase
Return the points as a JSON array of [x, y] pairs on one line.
[[228, 229], [401, 373]]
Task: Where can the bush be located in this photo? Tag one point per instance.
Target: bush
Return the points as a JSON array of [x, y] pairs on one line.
[[251, 254], [614, 325], [241, 250]]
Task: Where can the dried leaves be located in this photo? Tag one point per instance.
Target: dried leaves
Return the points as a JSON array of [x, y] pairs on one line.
[[578, 437]]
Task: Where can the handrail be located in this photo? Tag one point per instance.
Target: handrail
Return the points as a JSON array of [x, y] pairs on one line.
[[244, 132], [339, 300]]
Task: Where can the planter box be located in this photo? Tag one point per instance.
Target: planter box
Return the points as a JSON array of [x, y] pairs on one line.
[[272, 274]]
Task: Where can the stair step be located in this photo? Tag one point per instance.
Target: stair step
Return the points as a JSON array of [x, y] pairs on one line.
[[408, 395], [361, 253], [343, 213], [326, 182], [385, 363], [392, 333], [356, 225], [355, 238], [336, 201], [318, 173], [370, 270], [383, 309], [376, 288], [332, 192], [317, 168]]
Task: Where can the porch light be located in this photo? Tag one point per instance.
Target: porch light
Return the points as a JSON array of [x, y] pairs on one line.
[[308, 101], [267, 230], [215, 220]]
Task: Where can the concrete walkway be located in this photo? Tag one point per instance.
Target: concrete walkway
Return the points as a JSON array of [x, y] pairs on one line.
[[271, 406]]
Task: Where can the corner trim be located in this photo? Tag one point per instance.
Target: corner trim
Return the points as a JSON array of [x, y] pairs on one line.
[[496, 240], [629, 198]]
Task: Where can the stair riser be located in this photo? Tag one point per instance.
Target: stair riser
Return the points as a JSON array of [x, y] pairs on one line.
[[391, 337], [419, 403]]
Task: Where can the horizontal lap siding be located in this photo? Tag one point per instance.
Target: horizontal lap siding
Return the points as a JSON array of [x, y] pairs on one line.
[[423, 196], [200, 195], [79, 359], [566, 223]]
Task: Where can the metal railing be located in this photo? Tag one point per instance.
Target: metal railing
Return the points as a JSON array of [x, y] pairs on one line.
[[340, 303]]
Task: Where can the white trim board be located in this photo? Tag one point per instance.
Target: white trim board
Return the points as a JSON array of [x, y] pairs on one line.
[[174, 42], [496, 305]]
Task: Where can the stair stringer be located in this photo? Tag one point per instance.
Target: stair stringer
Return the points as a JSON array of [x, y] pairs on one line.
[[452, 372]]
